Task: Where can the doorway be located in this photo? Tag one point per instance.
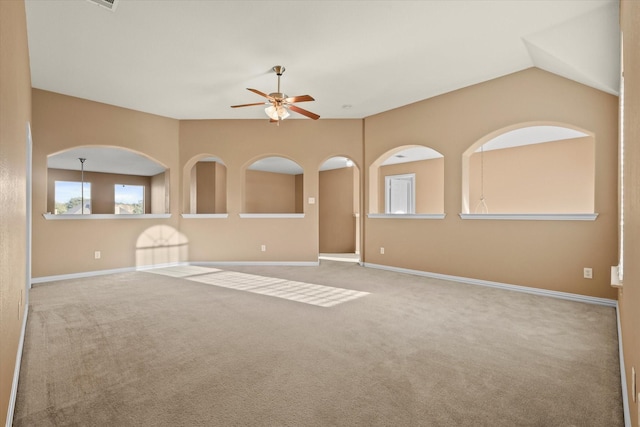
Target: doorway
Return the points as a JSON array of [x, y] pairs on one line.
[[339, 210]]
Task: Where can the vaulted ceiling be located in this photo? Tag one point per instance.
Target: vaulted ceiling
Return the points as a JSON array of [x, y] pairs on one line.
[[192, 59]]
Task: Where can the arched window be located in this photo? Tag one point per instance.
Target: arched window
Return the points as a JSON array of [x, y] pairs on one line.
[[273, 185], [105, 180], [542, 169], [407, 180]]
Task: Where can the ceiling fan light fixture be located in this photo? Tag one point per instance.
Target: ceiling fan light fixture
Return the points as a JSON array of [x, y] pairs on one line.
[[277, 113], [279, 103]]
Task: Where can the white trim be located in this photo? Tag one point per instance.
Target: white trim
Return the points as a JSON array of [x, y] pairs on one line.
[[29, 216], [406, 216], [203, 216], [258, 263], [271, 215], [16, 371], [535, 291], [49, 216], [534, 217], [84, 274], [623, 372], [45, 279], [615, 277]]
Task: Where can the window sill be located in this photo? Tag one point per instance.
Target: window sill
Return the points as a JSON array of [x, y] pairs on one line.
[[203, 216], [49, 216], [616, 281], [271, 215], [407, 216], [533, 217]]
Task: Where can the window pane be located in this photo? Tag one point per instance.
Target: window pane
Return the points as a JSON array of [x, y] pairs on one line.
[[69, 196], [129, 199]]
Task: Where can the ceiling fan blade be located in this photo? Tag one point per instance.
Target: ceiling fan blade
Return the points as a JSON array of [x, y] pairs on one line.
[[299, 110], [301, 98], [248, 105], [256, 91]]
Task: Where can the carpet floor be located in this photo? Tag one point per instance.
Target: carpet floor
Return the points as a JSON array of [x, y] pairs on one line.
[[333, 345]]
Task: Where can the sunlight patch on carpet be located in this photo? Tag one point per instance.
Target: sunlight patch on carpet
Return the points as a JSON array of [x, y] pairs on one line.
[[319, 295], [184, 271]]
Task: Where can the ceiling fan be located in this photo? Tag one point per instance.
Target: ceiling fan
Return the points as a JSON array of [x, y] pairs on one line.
[[279, 104]]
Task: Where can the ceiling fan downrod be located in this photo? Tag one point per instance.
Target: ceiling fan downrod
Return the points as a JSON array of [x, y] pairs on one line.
[[279, 69]]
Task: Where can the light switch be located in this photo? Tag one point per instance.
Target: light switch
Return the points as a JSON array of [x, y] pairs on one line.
[[312, 200]]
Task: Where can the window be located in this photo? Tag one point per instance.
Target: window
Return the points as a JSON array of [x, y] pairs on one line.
[[129, 199], [71, 196]]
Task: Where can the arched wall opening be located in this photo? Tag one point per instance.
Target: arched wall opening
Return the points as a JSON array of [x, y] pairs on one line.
[[106, 180], [205, 189], [533, 168], [273, 184], [410, 176]]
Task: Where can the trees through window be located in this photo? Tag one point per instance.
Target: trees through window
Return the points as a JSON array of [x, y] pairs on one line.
[[72, 198], [129, 199]]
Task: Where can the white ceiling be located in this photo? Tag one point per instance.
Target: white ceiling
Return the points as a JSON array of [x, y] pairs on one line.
[[105, 160], [531, 135], [192, 59]]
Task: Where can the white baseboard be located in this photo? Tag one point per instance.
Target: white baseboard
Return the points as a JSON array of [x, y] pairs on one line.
[[498, 285], [16, 371], [44, 279], [623, 373], [36, 280], [258, 263]]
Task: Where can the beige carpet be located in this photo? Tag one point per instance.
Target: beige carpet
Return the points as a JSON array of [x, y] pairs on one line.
[[143, 349]]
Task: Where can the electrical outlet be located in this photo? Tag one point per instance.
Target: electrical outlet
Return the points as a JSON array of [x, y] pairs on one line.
[[263, 248], [381, 250], [97, 255], [588, 273]]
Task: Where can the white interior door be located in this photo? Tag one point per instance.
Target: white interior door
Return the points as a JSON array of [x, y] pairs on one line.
[[400, 194]]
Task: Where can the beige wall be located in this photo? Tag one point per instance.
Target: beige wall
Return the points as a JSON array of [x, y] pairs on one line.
[[629, 296], [15, 113], [62, 122], [553, 177], [429, 184], [299, 193], [239, 143], [160, 184], [208, 188], [337, 221], [540, 254], [268, 192], [205, 184], [221, 188], [102, 188]]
